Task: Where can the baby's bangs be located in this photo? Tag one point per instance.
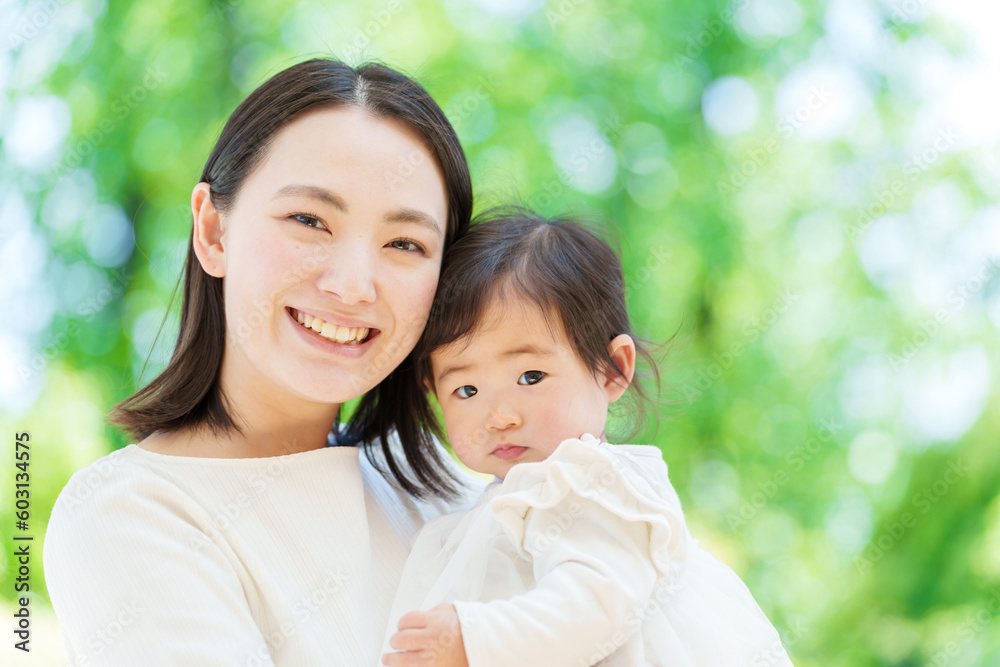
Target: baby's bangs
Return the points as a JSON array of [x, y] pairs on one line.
[[518, 290]]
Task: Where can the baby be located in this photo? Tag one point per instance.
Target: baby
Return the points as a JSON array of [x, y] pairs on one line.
[[577, 553]]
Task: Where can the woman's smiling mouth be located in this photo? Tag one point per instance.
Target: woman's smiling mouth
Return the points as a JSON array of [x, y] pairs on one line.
[[333, 332]]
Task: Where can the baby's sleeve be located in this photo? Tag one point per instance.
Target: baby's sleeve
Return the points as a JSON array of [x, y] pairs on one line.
[[600, 540], [134, 580]]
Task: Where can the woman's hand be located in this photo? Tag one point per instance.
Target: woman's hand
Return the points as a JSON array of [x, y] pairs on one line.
[[430, 638]]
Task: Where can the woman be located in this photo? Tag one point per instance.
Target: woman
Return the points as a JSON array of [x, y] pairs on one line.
[[231, 534]]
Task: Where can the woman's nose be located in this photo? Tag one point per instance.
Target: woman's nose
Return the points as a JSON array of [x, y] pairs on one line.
[[349, 274]]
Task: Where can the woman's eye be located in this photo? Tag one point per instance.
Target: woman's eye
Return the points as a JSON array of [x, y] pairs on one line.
[[531, 377], [408, 245], [466, 391], [308, 220]]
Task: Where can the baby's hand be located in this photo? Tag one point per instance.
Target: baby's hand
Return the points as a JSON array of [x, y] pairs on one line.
[[428, 639]]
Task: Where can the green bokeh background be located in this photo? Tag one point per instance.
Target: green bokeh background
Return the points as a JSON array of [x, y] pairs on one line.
[[806, 191]]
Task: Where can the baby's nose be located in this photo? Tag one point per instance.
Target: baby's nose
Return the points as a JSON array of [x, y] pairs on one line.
[[502, 418]]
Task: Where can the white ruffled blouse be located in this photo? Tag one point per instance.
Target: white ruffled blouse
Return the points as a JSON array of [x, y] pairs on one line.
[[585, 559]]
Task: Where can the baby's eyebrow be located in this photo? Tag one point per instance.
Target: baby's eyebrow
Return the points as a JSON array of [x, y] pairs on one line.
[[452, 369], [513, 352], [526, 349]]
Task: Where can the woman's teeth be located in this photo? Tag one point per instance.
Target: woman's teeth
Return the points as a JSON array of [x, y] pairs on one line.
[[330, 331]]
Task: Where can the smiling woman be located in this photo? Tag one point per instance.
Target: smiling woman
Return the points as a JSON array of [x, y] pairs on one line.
[[317, 232], [310, 274]]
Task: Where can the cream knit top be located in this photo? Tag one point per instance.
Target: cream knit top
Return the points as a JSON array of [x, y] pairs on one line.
[[154, 560]]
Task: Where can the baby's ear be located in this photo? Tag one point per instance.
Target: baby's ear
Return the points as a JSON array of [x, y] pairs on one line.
[[429, 386], [621, 350]]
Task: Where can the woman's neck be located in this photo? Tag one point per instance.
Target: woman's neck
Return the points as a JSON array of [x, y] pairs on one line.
[[255, 441], [271, 423]]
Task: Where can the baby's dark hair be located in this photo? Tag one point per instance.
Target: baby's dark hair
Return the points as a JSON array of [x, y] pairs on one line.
[[571, 274]]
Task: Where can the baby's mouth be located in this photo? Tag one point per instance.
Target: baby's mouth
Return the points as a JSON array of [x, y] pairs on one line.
[[509, 452], [331, 331]]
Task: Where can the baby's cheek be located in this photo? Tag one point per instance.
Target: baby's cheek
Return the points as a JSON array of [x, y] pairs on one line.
[[463, 446]]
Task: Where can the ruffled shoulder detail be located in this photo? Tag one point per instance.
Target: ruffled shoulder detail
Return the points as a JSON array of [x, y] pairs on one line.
[[612, 476]]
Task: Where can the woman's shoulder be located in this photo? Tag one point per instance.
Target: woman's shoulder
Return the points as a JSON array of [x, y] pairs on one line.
[[108, 510], [133, 486], [120, 478], [109, 477], [116, 493]]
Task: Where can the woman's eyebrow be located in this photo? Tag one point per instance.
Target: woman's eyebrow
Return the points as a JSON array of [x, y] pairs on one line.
[[336, 201], [413, 215], [313, 192]]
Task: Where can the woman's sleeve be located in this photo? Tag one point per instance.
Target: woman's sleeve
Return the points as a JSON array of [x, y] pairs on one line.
[[134, 580], [599, 545]]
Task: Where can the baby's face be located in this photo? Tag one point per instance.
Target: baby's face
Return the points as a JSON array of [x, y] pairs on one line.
[[514, 390]]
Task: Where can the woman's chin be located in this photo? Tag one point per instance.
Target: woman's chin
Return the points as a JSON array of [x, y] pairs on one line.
[[332, 387]]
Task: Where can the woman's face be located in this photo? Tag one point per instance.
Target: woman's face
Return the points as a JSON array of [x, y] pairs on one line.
[[331, 254]]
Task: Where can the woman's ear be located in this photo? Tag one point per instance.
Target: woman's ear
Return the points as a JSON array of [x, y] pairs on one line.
[[622, 353], [209, 232]]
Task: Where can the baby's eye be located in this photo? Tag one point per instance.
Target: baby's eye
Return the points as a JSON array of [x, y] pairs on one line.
[[466, 391], [531, 377]]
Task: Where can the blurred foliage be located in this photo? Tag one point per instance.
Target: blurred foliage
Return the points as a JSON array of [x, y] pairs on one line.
[[805, 190]]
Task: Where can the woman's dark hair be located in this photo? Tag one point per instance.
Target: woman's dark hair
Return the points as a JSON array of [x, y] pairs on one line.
[[573, 276], [187, 392]]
